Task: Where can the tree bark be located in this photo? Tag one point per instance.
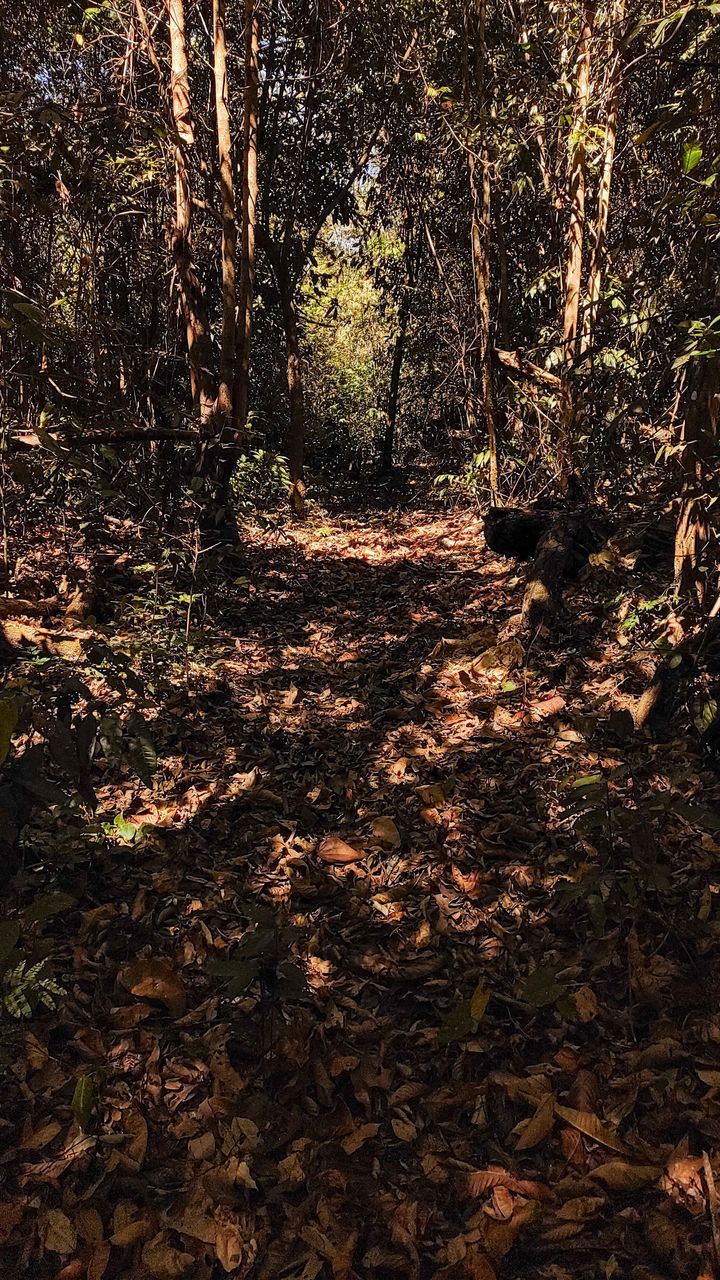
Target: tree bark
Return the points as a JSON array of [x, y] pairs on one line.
[[241, 389], [480, 198], [223, 406], [599, 245], [576, 230], [296, 434], [399, 349], [191, 294]]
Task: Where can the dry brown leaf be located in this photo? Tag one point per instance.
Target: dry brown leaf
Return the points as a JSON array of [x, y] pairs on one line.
[[433, 795], [355, 1140], [89, 1227], [57, 1233], [163, 1260], [404, 1129], [233, 1248], [500, 1236], [202, 1147], [40, 1137], [195, 1220], [477, 1266], [710, 1078], [135, 1126], [617, 1175], [586, 1004], [544, 707], [385, 830], [11, 1213], [531, 1090], [51, 1169], [335, 851], [580, 1208], [130, 1224], [483, 1180], [586, 1122], [538, 1127], [97, 1265], [156, 979], [290, 1169]]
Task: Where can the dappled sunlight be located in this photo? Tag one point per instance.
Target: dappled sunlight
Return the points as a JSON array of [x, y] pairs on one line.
[[367, 884]]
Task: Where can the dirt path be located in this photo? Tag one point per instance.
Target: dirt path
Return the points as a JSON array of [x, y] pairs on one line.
[[488, 1045]]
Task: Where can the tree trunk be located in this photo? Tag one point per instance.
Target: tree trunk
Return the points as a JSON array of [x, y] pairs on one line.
[[480, 193], [597, 260], [241, 388], [227, 204], [576, 229], [698, 439], [191, 294], [296, 436], [399, 351], [504, 292]]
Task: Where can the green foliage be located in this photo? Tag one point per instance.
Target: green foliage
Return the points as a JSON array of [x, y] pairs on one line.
[[472, 481], [261, 479], [25, 988], [348, 332], [264, 955]]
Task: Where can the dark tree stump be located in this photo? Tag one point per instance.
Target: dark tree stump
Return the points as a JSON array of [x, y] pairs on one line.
[[562, 550], [511, 531]]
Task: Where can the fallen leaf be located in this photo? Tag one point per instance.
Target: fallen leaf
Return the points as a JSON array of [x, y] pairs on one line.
[[11, 1214], [355, 1140], [89, 1227], [617, 1175], [385, 830], [57, 1232], [539, 1125], [202, 1147], [41, 1137], [97, 1265], [135, 1126], [480, 1181], [580, 1208], [334, 850], [404, 1129], [586, 1004], [586, 1122], [163, 1260], [156, 979], [544, 707]]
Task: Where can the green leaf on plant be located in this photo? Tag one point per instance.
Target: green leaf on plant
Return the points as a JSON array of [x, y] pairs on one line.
[[83, 1101], [691, 156]]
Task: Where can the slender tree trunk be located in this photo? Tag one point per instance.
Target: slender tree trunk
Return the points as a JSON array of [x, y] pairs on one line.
[[191, 295], [480, 196], [394, 389], [699, 441], [597, 260], [504, 294], [399, 350], [296, 435], [227, 204], [576, 230], [241, 388]]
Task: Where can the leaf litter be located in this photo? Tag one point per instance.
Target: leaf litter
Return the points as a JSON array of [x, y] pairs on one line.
[[402, 963]]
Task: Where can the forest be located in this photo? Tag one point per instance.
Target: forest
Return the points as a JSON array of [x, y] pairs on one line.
[[360, 640]]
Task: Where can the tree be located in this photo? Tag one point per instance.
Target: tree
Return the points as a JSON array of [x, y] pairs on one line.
[[191, 292]]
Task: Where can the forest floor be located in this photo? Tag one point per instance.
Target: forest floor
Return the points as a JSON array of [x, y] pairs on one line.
[[404, 962]]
